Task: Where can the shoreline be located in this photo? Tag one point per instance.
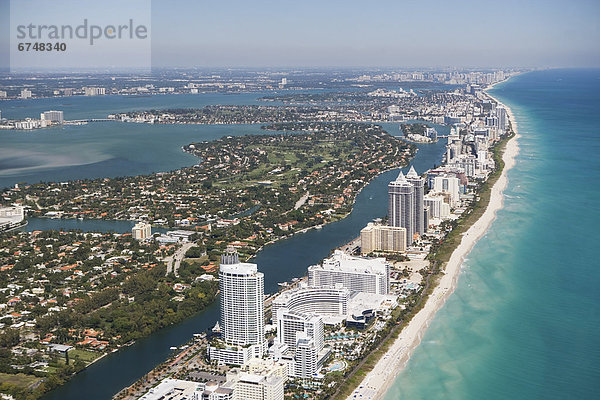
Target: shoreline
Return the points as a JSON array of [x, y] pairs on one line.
[[379, 380]]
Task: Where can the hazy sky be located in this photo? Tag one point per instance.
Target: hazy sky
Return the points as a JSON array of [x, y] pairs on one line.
[[377, 33], [228, 33]]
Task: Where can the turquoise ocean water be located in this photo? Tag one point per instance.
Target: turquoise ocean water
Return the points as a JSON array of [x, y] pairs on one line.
[[524, 321]]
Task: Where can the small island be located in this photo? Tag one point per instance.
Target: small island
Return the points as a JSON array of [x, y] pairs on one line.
[[418, 132]]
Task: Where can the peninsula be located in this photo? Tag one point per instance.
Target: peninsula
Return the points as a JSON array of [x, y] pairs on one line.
[[388, 361], [244, 193]]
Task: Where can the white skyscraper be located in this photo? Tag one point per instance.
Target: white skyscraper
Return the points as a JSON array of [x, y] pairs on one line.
[[401, 211], [419, 186], [289, 323], [303, 336], [306, 357], [242, 311], [448, 184], [242, 302]]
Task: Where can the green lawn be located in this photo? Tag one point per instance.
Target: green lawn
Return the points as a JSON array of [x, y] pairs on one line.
[[84, 355], [19, 379], [198, 260]]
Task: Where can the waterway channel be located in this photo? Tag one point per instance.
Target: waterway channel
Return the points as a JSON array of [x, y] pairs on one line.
[[279, 262]]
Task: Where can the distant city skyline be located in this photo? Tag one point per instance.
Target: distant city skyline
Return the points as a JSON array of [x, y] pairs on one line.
[[233, 33]]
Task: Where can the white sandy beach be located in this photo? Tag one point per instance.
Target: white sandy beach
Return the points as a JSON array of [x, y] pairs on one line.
[[379, 380]]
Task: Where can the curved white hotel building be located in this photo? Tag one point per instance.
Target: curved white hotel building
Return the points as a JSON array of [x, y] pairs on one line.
[[327, 300]]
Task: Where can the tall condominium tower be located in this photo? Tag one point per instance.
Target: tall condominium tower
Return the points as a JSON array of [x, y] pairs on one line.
[[242, 302], [401, 208], [419, 185]]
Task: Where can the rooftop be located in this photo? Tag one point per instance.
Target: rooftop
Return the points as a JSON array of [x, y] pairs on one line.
[[239, 268], [173, 389], [343, 262]]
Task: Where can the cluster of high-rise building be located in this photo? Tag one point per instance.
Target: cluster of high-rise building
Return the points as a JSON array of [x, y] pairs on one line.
[[408, 216], [298, 314], [467, 152], [468, 147], [342, 288], [411, 210], [449, 77], [478, 124], [300, 342]]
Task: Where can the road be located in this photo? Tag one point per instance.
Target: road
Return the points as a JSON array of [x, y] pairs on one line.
[[174, 261], [175, 364], [351, 246]]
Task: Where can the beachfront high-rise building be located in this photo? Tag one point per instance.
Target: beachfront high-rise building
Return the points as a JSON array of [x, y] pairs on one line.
[[359, 274], [306, 357], [375, 237], [251, 386], [301, 335], [502, 118], [419, 185], [401, 210], [437, 207], [448, 184], [25, 94], [242, 311], [289, 323]]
